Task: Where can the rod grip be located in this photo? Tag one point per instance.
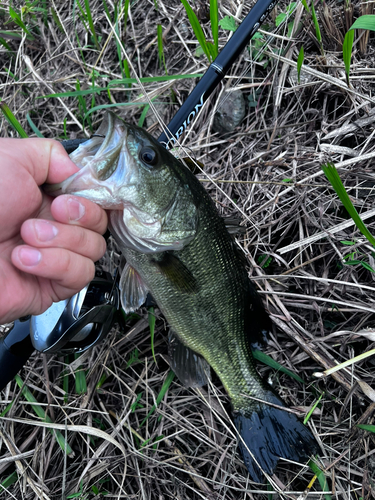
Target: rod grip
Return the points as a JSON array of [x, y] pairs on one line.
[[15, 350]]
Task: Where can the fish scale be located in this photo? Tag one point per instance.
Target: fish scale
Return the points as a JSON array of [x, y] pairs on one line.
[[178, 248]]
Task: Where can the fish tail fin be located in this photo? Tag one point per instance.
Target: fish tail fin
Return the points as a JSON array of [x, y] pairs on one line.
[[271, 433]]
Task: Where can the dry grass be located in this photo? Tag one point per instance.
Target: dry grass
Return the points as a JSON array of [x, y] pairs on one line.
[[269, 172]]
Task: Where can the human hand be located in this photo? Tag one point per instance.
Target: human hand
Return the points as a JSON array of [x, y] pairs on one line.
[[47, 246]]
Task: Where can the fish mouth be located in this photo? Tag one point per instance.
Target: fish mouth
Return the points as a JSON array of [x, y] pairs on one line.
[[97, 160]]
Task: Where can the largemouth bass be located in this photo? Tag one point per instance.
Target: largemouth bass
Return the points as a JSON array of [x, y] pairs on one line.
[[177, 247]]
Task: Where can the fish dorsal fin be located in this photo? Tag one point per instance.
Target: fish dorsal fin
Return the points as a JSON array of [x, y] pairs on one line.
[[191, 368], [232, 223], [176, 272], [191, 164], [133, 290]]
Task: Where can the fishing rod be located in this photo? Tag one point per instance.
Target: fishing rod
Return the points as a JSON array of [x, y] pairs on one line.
[[78, 323], [216, 72]]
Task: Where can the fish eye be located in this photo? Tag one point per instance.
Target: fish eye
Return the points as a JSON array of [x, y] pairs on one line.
[[148, 155]]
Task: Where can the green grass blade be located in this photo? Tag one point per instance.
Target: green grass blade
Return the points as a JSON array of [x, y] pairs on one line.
[[13, 120], [332, 175], [106, 10], [127, 70], [118, 46], [160, 48], [367, 266], [196, 28], [93, 86], [33, 127], [153, 79], [347, 53], [267, 360], [76, 93], [126, 12], [151, 324], [143, 115], [366, 427], [121, 81], [7, 408], [10, 35], [316, 24], [307, 418], [161, 395], [13, 478], [80, 379], [321, 478], [285, 15], [17, 19], [107, 106], [64, 125], [4, 44], [301, 57], [211, 49], [214, 18], [66, 380], [133, 358], [55, 17], [81, 103], [364, 23], [41, 414], [91, 24]]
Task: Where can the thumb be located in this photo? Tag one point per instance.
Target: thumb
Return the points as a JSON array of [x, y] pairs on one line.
[[45, 159]]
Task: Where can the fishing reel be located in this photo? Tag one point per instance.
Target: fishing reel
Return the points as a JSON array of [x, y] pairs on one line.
[[76, 324], [69, 326]]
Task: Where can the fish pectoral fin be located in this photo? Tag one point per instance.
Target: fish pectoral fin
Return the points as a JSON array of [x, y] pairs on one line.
[[191, 368], [176, 272], [133, 290]]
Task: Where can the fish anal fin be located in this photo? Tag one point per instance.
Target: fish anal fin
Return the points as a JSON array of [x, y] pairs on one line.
[[176, 272], [191, 368], [133, 290]]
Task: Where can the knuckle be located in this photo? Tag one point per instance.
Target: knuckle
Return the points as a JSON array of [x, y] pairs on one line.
[[102, 247], [78, 272], [66, 262], [82, 242], [99, 220]]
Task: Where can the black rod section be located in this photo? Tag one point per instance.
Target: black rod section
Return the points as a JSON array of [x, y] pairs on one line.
[[216, 72]]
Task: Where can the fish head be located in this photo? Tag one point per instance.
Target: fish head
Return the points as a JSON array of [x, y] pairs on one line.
[[124, 169]]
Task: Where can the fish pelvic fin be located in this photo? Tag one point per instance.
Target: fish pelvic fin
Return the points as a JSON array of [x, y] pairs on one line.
[[268, 433]]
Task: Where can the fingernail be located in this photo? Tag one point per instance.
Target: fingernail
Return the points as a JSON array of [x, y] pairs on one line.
[[30, 256], [45, 231], [75, 209]]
